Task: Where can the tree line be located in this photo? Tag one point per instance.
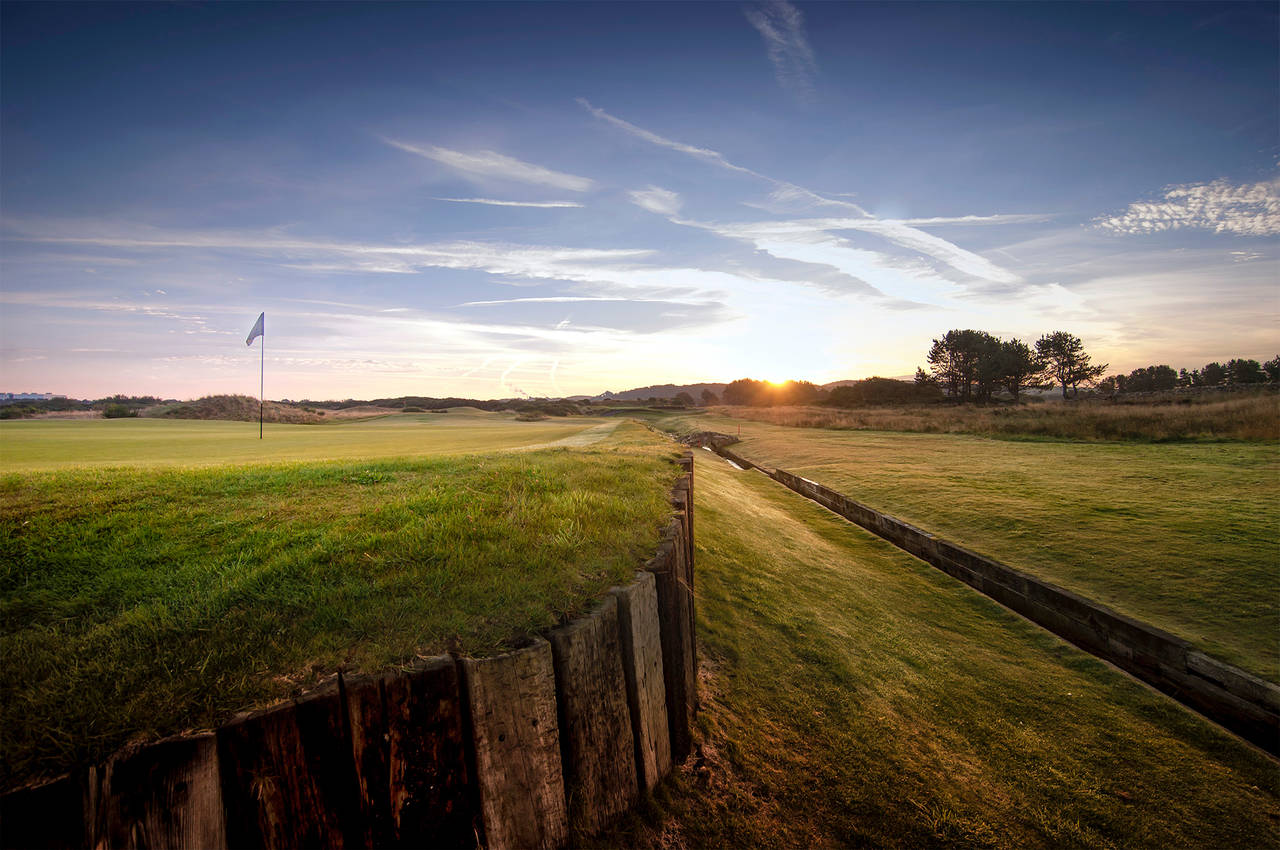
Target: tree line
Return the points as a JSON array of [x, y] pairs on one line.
[[1235, 372], [971, 365]]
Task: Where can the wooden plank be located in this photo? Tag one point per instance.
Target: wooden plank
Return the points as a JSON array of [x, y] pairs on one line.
[[677, 643], [366, 710], [595, 722], [410, 757], [288, 779], [515, 730], [166, 794], [44, 817], [641, 635], [433, 800]]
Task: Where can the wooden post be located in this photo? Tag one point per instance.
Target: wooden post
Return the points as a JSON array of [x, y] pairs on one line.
[[407, 738], [595, 722], [512, 702], [642, 663], [287, 776], [677, 641], [166, 794]]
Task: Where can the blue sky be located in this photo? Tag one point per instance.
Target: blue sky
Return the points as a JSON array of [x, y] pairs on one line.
[[494, 200]]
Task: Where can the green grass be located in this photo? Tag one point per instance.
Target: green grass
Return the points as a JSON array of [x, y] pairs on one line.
[[136, 602], [1182, 536], [64, 444], [853, 696]]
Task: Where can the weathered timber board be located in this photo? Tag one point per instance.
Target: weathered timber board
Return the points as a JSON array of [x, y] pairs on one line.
[[642, 663], [288, 779], [677, 639], [595, 721], [512, 703], [167, 794], [410, 757]]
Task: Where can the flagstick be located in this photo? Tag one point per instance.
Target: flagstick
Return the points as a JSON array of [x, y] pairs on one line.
[[262, 382]]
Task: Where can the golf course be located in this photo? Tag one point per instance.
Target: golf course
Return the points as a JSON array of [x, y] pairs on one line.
[[160, 576]]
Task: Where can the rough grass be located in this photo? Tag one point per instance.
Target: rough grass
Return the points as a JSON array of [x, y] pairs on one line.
[[240, 408], [1182, 536], [139, 602], [55, 444], [1250, 417], [854, 697]]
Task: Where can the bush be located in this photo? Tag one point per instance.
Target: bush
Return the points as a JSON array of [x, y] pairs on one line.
[[880, 391], [17, 411], [118, 411]]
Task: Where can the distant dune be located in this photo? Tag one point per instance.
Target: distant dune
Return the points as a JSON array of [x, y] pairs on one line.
[[242, 408]]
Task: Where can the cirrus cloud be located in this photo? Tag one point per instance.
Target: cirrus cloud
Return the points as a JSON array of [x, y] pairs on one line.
[[493, 164]]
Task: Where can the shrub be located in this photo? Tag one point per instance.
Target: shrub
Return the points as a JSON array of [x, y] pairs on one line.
[[118, 411]]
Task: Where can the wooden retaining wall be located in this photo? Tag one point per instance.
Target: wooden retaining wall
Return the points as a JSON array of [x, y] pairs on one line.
[[1227, 695], [522, 750]]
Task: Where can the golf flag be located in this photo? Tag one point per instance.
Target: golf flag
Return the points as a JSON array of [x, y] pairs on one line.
[[257, 329]]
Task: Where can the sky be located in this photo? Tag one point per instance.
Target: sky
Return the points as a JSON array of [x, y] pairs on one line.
[[549, 199]]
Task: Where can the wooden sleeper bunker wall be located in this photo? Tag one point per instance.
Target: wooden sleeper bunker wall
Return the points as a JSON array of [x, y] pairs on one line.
[[521, 750]]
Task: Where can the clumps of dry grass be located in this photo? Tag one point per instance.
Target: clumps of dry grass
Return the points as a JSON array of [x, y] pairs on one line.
[[1252, 417]]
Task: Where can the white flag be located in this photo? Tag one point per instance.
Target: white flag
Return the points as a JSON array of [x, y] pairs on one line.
[[257, 329]]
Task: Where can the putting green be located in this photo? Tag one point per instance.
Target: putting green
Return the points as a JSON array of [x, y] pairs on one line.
[[48, 444]]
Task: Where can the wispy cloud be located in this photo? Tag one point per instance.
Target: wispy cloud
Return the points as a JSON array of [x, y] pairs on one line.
[[627, 272], [550, 299], [796, 198], [1250, 209], [657, 200], [782, 27], [706, 154], [1007, 218], [497, 165], [495, 203]]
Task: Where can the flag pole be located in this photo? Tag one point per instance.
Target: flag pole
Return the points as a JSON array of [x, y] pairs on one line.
[[262, 380], [259, 329]]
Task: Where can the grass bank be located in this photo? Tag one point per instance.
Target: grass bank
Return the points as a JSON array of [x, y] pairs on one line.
[[140, 602], [1254, 417], [1181, 536], [854, 697]]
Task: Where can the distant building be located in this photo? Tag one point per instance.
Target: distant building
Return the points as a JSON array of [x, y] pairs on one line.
[[29, 396]]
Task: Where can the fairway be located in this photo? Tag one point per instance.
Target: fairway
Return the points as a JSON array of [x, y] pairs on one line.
[[1182, 535], [853, 696], [66, 444], [142, 600]]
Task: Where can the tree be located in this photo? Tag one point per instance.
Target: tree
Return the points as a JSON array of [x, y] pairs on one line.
[[1066, 362], [743, 391], [1147, 379], [685, 399], [954, 361], [1213, 375], [1272, 368], [709, 398], [1245, 372], [1019, 366], [883, 391]]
